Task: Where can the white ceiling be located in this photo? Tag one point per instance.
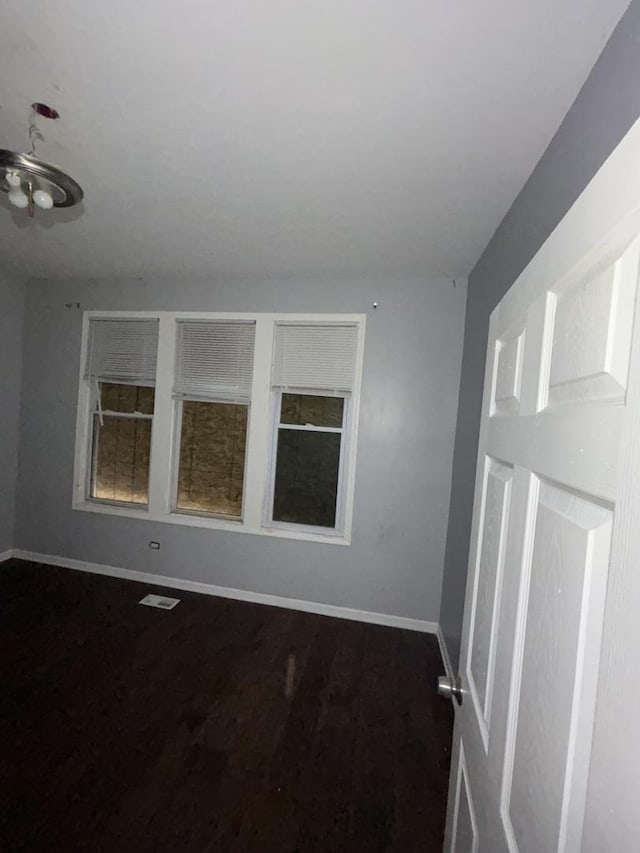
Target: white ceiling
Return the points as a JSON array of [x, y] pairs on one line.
[[277, 138]]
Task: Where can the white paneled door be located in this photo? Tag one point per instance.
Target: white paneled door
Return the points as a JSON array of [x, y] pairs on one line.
[[556, 508]]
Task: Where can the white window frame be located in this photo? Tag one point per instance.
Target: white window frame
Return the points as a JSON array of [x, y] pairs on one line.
[[95, 409], [261, 433], [345, 432]]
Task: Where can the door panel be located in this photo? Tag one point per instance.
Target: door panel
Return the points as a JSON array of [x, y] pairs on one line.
[[564, 605], [509, 373], [466, 831], [591, 335], [488, 591], [555, 413]]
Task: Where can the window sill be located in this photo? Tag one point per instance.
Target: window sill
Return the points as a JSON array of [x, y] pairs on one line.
[[211, 523]]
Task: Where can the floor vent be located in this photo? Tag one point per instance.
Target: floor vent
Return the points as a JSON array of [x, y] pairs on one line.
[[160, 601]]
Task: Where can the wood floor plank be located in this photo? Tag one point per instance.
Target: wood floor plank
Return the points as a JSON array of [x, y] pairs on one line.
[[216, 726]]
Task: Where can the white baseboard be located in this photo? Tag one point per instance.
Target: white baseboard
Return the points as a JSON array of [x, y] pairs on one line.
[[7, 555], [446, 660], [387, 619]]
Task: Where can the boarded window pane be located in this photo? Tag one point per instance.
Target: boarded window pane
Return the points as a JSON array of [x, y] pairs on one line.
[[127, 398], [306, 485], [303, 409], [212, 453], [121, 450]]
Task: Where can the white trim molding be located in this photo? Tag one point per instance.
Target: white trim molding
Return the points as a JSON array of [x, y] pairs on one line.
[[387, 619], [7, 555]]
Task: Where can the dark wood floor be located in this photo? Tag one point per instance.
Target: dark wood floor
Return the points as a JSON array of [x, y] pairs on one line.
[[125, 728]]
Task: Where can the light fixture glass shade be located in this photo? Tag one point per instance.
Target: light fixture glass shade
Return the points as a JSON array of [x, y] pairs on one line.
[[52, 186], [43, 200], [18, 198]]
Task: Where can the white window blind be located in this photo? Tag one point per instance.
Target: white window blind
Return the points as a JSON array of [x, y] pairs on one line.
[[122, 350], [214, 360], [315, 356]]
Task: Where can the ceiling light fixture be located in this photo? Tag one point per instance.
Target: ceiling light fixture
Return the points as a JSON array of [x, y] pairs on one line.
[[31, 182]]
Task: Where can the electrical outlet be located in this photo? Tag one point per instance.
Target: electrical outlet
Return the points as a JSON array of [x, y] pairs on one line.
[[155, 546]]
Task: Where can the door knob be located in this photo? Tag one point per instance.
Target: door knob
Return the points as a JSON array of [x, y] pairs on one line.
[[450, 689]]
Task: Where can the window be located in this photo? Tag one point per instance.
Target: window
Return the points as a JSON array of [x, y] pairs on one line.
[[120, 371], [237, 422], [307, 465], [313, 378], [214, 374], [213, 445], [121, 443]]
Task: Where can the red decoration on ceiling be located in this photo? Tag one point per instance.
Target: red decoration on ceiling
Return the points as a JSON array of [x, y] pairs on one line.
[[45, 111]]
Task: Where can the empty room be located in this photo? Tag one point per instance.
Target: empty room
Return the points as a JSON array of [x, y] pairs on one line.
[[320, 426]]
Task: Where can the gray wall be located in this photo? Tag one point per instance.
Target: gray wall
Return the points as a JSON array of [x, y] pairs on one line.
[[410, 393], [605, 109], [11, 319]]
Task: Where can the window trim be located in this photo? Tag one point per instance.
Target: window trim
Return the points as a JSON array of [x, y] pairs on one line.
[[276, 426], [260, 432]]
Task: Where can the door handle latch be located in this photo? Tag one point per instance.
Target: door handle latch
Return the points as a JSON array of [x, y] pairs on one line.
[[450, 689]]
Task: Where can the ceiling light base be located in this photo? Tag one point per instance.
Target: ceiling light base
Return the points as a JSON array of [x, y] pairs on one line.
[[63, 190]]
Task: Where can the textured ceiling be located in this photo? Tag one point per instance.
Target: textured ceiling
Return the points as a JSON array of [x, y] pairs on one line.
[[277, 138]]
